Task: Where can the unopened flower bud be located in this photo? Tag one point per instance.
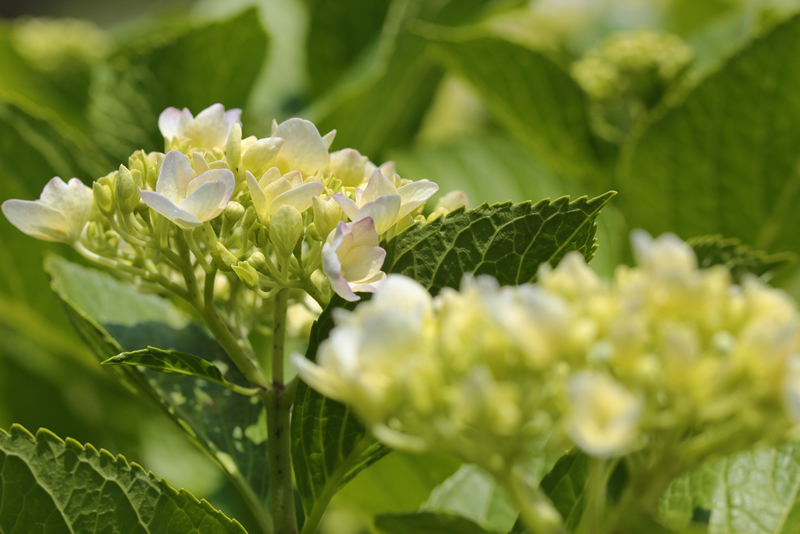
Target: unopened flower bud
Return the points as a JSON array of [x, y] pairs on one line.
[[246, 273], [234, 211], [258, 261], [311, 231], [127, 194], [259, 234], [103, 198], [327, 214], [233, 147], [285, 229], [224, 258]]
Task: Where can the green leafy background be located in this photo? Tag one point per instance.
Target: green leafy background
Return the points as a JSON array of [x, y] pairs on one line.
[[476, 95]]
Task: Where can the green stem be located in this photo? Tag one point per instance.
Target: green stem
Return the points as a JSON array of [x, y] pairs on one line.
[[331, 485], [593, 518], [536, 509], [279, 406]]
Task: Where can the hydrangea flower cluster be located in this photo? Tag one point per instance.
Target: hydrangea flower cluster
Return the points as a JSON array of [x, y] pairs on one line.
[[278, 212], [666, 363]]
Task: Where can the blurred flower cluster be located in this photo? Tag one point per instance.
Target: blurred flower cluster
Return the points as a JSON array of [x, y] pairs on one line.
[[666, 364]]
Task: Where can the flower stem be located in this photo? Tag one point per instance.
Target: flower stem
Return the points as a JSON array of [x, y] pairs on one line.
[[279, 406], [536, 509]]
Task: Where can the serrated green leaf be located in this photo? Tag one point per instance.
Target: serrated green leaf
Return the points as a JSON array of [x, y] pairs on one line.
[[177, 363], [736, 256], [533, 97], [228, 427], [54, 486], [427, 523], [758, 492], [207, 64], [506, 240], [472, 493], [689, 498], [723, 157]]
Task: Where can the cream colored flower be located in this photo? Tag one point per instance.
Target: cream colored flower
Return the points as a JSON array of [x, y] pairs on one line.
[[352, 259], [273, 191], [60, 214], [208, 130], [186, 198], [303, 148]]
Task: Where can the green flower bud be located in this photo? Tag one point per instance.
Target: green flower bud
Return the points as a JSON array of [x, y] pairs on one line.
[[233, 147], [103, 198], [259, 234], [249, 217], [327, 215], [127, 193], [258, 261], [224, 258], [285, 229], [312, 232], [234, 211], [246, 273]]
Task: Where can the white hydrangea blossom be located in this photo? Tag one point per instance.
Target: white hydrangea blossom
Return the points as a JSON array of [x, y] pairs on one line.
[[208, 130], [352, 259]]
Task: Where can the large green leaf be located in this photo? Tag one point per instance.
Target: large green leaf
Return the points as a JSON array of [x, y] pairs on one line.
[[506, 240], [758, 492], [427, 523], [739, 258], [177, 363], [533, 97], [473, 494], [113, 317], [53, 486], [723, 158], [215, 62]]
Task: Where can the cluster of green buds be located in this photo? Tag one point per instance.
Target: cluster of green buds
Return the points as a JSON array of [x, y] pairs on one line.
[[629, 74], [665, 365]]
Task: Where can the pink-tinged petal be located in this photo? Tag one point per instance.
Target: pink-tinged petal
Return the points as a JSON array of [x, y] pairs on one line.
[[208, 200], [303, 149], [258, 196], [209, 129], [414, 195], [328, 138], [211, 176], [271, 176], [349, 207], [364, 234], [174, 177], [299, 197], [363, 263], [165, 207], [359, 194], [453, 200], [336, 238], [168, 122], [200, 164], [383, 211], [37, 220], [378, 186], [233, 116]]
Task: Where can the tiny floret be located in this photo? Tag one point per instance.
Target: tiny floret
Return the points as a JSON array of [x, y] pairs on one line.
[[352, 259], [208, 130]]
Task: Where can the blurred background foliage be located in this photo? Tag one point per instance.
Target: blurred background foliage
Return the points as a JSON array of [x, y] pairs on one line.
[[504, 99]]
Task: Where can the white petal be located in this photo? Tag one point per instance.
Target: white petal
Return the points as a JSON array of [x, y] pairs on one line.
[[303, 149], [372, 285], [294, 178], [165, 207], [275, 189], [383, 212], [209, 129], [328, 138], [258, 196], [452, 200], [168, 122], [299, 197], [233, 116], [379, 185], [414, 195], [175, 175], [208, 200], [73, 199], [211, 176], [349, 207], [363, 263], [333, 270], [37, 220], [274, 127], [336, 238], [364, 234], [318, 378]]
